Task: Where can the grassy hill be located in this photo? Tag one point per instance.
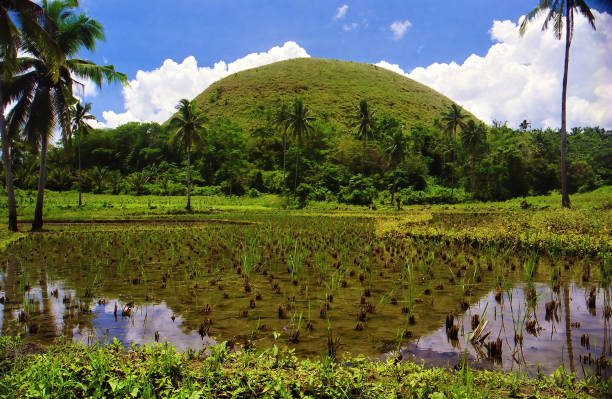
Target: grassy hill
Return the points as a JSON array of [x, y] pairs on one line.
[[330, 88]]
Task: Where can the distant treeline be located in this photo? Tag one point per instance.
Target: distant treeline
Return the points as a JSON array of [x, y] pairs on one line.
[[419, 164]]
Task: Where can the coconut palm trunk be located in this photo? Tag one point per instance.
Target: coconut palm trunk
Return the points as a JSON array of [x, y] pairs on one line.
[[284, 160], [297, 162], [6, 159], [363, 160], [37, 224], [454, 162], [188, 178], [565, 200], [80, 173]]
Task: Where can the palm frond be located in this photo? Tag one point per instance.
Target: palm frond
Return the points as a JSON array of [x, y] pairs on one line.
[[585, 10], [96, 73], [40, 127]]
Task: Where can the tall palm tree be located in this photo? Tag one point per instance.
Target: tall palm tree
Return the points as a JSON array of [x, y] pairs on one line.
[[300, 125], [281, 121], [365, 122], [188, 124], [452, 120], [79, 116], [30, 16], [556, 10], [42, 101], [395, 147]]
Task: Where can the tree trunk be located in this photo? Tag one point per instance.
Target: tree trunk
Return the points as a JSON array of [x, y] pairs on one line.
[[80, 176], [454, 162], [363, 159], [565, 200], [297, 162], [284, 150], [8, 170], [188, 179], [42, 178]]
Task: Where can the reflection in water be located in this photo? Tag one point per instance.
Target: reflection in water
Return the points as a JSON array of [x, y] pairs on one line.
[[546, 345], [140, 327], [183, 285], [543, 347]]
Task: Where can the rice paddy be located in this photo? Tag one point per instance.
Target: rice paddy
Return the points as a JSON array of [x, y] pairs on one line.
[[409, 289]]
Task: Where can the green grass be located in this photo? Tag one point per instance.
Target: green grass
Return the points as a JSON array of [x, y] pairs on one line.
[[329, 88], [72, 370], [585, 228]]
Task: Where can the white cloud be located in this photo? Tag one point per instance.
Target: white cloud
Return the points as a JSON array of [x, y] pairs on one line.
[[84, 88], [153, 95], [399, 28], [351, 26], [392, 67], [520, 77], [341, 12]]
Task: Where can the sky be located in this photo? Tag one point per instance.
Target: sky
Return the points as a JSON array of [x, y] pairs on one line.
[[469, 50]]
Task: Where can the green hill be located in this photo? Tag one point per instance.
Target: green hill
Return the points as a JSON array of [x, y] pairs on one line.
[[330, 88]]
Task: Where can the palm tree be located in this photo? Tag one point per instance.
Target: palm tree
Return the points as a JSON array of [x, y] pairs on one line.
[[473, 139], [452, 120], [97, 175], [524, 125], [365, 120], [30, 16], [555, 11], [395, 147], [281, 120], [300, 125], [189, 126], [42, 101], [138, 180], [80, 115]]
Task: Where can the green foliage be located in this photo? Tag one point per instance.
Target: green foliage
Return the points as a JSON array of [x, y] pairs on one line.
[[434, 194], [360, 191], [110, 371], [302, 193], [293, 145]]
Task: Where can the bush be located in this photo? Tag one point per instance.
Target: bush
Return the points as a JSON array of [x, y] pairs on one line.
[[273, 181], [434, 194], [360, 191], [321, 194], [207, 190], [302, 193]]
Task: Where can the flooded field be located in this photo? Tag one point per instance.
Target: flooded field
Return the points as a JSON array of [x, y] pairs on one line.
[[292, 281]]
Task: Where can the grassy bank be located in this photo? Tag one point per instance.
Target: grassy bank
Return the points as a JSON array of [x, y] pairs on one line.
[[69, 370]]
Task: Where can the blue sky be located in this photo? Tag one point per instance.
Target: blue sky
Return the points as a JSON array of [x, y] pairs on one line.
[[141, 35]]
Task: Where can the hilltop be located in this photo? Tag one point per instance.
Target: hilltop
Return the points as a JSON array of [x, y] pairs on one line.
[[330, 88]]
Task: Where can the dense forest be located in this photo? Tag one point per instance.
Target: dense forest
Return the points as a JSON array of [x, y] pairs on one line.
[[439, 162]]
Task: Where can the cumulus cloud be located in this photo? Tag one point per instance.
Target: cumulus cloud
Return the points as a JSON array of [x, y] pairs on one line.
[[392, 67], [341, 12], [520, 77], [153, 95], [399, 28], [84, 88]]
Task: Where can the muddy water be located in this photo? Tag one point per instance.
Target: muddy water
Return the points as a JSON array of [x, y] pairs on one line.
[[195, 294]]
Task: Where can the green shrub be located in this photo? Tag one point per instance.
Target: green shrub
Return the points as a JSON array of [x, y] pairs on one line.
[[207, 190], [360, 191]]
